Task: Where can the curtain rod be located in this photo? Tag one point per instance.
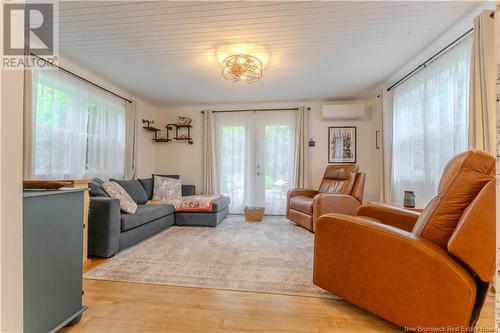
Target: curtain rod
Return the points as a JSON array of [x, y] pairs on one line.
[[422, 65], [255, 110], [81, 78]]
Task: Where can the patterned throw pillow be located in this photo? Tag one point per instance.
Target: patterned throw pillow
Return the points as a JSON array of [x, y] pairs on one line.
[[114, 190], [166, 189]]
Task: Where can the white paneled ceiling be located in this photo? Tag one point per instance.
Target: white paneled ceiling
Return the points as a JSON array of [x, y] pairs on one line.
[[167, 52]]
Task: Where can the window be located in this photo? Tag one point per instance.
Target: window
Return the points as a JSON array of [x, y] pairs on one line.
[[430, 123], [79, 130]]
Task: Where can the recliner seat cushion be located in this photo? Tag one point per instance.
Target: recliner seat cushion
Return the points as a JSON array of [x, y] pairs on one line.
[[134, 189], [302, 204], [145, 214]]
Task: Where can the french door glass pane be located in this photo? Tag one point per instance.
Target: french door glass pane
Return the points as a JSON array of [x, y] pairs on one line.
[[277, 158], [256, 158], [232, 136]]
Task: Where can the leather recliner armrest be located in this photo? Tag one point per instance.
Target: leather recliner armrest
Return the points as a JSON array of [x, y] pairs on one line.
[[296, 192], [392, 273], [391, 215], [301, 191], [325, 203], [104, 227]]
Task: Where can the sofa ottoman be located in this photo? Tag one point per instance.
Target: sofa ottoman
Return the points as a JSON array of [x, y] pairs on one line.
[[220, 209]]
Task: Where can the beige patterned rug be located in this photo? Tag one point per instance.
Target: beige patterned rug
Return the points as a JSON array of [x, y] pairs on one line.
[[271, 256]]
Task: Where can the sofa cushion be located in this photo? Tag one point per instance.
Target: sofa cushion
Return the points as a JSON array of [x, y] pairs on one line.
[[96, 188], [147, 183], [145, 214], [220, 204], [134, 189], [302, 204]]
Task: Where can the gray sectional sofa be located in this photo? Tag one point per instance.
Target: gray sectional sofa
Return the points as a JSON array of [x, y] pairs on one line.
[[111, 230]]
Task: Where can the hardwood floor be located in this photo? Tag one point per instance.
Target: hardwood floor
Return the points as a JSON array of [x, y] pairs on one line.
[[130, 307]]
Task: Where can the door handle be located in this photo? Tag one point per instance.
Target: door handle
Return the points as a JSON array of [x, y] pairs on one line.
[[376, 139]]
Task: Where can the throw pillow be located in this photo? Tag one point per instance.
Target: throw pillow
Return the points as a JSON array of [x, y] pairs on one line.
[[114, 190], [166, 188]]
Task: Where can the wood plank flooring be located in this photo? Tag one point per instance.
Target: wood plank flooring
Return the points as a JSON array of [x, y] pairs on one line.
[[131, 307]]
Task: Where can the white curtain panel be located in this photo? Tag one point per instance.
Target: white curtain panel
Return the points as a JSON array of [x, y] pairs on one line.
[[131, 123], [482, 129], [387, 124], [210, 173], [79, 130], [430, 121], [29, 104], [301, 147]]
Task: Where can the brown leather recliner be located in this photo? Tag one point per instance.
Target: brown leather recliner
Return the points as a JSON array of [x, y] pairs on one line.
[[341, 191], [417, 270]]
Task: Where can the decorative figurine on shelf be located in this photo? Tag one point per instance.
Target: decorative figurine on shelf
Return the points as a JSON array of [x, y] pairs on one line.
[[148, 122], [183, 121]]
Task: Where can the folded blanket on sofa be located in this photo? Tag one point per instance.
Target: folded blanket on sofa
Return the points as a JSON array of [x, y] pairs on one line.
[[191, 203]]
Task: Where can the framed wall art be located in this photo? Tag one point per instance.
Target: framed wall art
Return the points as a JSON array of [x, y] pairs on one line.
[[342, 144]]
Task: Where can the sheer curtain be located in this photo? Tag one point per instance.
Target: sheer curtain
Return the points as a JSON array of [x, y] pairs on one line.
[[430, 119], [105, 154], [79, 130]]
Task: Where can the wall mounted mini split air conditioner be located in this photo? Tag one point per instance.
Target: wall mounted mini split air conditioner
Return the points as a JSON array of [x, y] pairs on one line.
[[343, 111]]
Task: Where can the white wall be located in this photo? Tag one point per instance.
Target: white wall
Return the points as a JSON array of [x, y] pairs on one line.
[[187, 160], [367, 155], [146, 154], [11, 230]]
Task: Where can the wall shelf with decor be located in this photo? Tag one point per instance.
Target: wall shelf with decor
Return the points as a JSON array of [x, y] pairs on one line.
[[182, 130], [148, 127]]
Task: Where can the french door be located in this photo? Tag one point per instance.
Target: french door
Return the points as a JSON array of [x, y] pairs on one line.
[[256, 158]]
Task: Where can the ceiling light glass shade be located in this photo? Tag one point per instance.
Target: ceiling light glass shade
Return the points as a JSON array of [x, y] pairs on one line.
[[242, 68]]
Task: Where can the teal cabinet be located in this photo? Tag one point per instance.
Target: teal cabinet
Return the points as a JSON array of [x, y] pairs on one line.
[[52, 259]]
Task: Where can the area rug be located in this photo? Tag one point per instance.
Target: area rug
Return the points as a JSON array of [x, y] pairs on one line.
[[273, 256]]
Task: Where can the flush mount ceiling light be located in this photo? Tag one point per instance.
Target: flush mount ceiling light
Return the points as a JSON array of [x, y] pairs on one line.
[[242, 68]]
